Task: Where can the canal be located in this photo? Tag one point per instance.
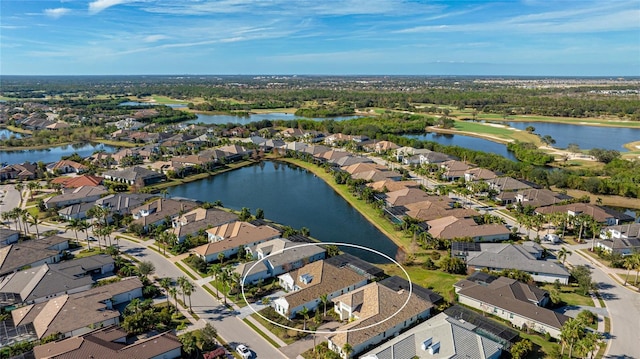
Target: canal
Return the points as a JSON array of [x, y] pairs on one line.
[[295, 197], [52, 154], [473, 143]]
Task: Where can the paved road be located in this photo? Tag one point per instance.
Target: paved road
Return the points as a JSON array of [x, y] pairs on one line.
[[9, 198]]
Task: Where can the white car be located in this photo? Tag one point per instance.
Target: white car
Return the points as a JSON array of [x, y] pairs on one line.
[[244, 352]]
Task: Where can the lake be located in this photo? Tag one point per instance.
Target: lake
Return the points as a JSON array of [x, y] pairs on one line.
[[474, 143], [294, 197], [587, 137], [255, 117], [134, 103], [52, 154]]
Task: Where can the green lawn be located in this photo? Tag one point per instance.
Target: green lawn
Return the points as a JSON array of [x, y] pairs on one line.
[[477, 127], [437, 281], [569, 295]]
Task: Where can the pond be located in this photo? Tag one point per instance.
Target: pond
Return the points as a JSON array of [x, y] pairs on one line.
[[587, 137], [134, 103], [294, 197], [52, 154], [473, 143], [255, 117], [6, 134]]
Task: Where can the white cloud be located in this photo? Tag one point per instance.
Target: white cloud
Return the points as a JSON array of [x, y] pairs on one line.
[[56, 13], [154, 38], [99, 5]]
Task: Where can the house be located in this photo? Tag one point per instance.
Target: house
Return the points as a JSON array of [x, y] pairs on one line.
[[229, 238], [375, 313], [478, 173], [76, 211], [200, 219], [67, 166], [526, 257], [603, 215], [234, 152], [78, 181], [451, 227], [135, 176], [440, 337], [38, 284], [387, 185], [76, 314], [381, 146], [111, 343], [278, 256], [516, 302], [84, 194], [434, 208], [31, 253], [623, 239], [307, 284], [453, 170], [8, 236], [543, 197], [122, 203], [95, 266], [158, 211], [406, 196], [506, 188], [22, 172], [357, 265]]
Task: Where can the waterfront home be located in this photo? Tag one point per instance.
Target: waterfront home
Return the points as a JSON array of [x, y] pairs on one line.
[[433, 208], [519, 303], [622, 239], [136, 175], [406, 196], [452, 227], [603, 215], [506, 188], [234, 153], [79, 313], [228, 239], [374, 314], [440, 337], [78, 181], [526, 257], [66, 166], [350, 160], [307, 284], [22, 172], [387, 185], [380, 147], [281, 255], [158, 211], [542, 197], [111, 342], [71, 196], [16, 256], [362, 267], [200, 219], [478, 173]]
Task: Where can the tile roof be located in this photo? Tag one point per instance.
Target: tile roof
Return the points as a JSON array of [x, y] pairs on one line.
[[504, 256], [325, 279], [378, 304], [234, 235], [18, 255], [78, 181]]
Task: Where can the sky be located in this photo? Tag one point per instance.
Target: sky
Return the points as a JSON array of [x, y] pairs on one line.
[[320, 37]]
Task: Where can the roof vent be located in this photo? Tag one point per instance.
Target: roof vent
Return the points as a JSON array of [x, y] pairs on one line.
[[306, 278]]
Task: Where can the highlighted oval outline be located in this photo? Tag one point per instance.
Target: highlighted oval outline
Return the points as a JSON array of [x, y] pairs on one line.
[[323, 331]]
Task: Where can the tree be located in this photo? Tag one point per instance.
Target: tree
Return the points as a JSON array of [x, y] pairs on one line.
[[324, 299], [146, 268], [563, 253], [453, 265], [521, 349], [259, 213], [628, 263], [189, 343], [347, 349], [188, 288], [244, 215], [215, 270], [208, 336], [220, 257], [582, 274], [73, 225], [530, 129], [83, 226], [35, 221], [570, 334], [165, 283], [173, 292], [305, 316]]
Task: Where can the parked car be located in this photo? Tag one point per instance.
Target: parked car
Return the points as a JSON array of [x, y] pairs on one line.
[[553, 238], [244, 352], [92, 239]]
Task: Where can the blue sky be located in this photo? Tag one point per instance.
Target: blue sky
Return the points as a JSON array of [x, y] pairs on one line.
[[395, 37]]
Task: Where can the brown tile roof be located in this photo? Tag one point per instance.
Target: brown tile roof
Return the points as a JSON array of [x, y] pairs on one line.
[[326, 279], [79, 181], [378, 303], [99, 345], [451, 227], [67, 163], [601, 214], [200, 218], [364, 167], [391, 185], [236, 234], [407, 196]]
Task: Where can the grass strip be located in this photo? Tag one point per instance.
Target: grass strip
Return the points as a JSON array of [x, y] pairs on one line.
[[185, 271], [262, 334]]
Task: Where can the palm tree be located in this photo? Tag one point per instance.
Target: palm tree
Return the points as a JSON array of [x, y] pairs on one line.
[[628, 264], [188, 289], [32, 186], [215, 270], [173, 292], [324, 299], [83, 226], [636, 257], [73, 225], [220, 257], [570, 333], [305, 316], [347, 349], [35, 221], [595, 228], [225, 277], [563, 253], [181, 283], [165, 283], [19, 187]]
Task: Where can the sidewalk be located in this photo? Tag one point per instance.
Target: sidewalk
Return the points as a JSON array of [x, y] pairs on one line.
[[613, 273]]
